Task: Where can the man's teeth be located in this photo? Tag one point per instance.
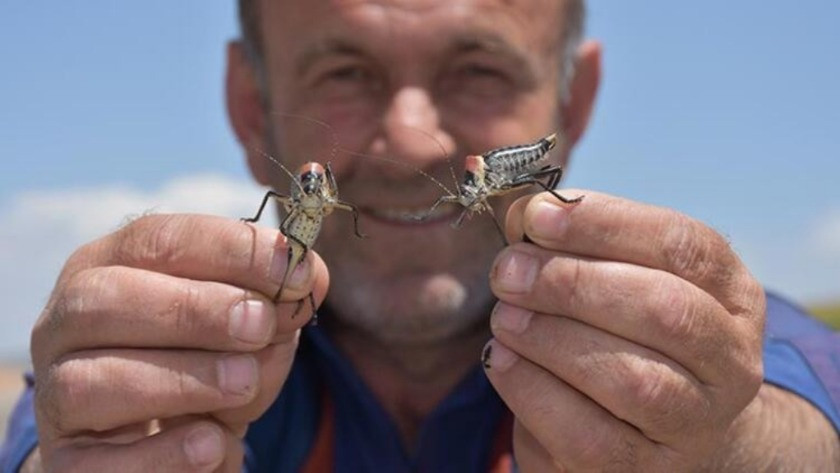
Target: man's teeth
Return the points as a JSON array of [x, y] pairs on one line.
[[409, 214]]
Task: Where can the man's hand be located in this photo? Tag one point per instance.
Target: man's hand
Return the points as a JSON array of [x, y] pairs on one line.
[[627, 336], [160, 344]]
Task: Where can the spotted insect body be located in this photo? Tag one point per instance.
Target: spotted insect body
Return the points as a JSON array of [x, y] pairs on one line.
[[313, 196]]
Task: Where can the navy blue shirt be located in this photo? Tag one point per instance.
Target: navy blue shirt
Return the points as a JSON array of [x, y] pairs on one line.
[[800, 354]]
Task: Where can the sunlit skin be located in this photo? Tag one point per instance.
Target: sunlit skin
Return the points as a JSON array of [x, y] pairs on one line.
[[407, 82], [416, 83], [627, 337]]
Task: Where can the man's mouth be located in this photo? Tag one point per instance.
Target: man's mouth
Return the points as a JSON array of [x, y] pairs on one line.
[[411, 215]]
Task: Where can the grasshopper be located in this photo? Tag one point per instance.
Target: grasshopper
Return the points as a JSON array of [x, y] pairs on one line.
[[503, 170], [313, 196]]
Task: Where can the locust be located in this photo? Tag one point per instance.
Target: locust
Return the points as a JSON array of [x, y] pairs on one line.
[[313, 196], [500, 171]]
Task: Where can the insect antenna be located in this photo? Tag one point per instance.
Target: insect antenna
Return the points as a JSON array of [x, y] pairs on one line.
[[337, 147], [443, 153], [326, 126], [279, 164], [397, 162]]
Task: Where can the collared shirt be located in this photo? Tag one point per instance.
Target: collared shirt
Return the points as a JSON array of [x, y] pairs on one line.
[[326, 419]]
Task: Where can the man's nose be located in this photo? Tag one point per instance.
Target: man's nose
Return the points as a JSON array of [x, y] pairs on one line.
[[412, 131]]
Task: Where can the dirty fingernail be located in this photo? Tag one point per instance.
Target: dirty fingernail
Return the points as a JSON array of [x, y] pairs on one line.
[[515, 271], [237, 374], [497, 356]]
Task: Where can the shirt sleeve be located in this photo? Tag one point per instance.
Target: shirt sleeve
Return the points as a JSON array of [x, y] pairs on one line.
[[802, 355], [21, 432]]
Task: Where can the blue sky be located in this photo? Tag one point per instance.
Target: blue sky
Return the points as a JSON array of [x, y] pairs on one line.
[[728, 111]]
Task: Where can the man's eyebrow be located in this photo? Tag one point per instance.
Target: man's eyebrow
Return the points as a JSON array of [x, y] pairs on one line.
[[323, 48], [489, 43]]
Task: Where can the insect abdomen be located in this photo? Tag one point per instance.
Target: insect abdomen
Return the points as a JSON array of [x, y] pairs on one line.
[[512, 159], [305, 228]]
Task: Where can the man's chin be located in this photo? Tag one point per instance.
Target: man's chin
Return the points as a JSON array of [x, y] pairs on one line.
[[413, 310]]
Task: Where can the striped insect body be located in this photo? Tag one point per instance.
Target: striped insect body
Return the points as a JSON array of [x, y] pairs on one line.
[[502, 170]]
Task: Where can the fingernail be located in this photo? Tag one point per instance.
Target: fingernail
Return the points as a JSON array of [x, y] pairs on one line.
[[237, 374], [549, 221], [497, 356], [250, 322], [510, 318], [515, 272], [300, 274], [204, 446]]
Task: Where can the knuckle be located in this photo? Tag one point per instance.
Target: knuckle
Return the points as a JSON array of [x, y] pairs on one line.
[[675, 310], [185, 303], [600, 448], [664, 403], [661, 403], [151, 241], [750, 299], [647, 386], [64, 392], [45, 398], [79, 258], [238, 249], [750, 376], [685, 252], [695, 251], [569, 283], [79, 296]]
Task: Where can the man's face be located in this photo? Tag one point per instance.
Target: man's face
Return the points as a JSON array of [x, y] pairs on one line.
[[411, 81]]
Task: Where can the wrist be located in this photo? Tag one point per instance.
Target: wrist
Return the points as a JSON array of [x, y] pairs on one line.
[[779, 431]]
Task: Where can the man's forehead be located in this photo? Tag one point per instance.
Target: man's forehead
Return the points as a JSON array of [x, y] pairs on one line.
[[463, 24], [528, 7]]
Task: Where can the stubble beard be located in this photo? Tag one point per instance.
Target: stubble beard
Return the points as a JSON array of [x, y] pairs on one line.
[[405, 302]]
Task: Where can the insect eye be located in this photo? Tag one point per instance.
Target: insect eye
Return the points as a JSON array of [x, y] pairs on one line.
[[469, 178]]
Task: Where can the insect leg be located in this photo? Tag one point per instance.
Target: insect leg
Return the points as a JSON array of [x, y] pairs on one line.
[[499, 228], [554, 178], [442, 199], [351, 208], [292, 262], [457, 223], [280, 197], [535, 179], [331, 178]]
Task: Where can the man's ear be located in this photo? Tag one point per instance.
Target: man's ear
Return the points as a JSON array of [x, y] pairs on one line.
[[245, 109], [583, 89]]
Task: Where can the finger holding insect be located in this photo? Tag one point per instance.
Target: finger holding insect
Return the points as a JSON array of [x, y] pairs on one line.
[[95, 307], [610, 228], [200, 247]]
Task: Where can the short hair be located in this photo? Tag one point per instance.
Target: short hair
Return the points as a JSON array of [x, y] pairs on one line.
[[575, 12]]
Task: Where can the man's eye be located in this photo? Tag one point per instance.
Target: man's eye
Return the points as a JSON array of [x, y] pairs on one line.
[[479, 70], [348, 74], [478, 79], [345, 82]]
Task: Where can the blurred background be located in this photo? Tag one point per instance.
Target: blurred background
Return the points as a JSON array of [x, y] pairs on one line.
[[728, 111]]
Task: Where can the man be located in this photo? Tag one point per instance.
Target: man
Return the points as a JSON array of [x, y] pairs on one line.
[[625, 337]]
